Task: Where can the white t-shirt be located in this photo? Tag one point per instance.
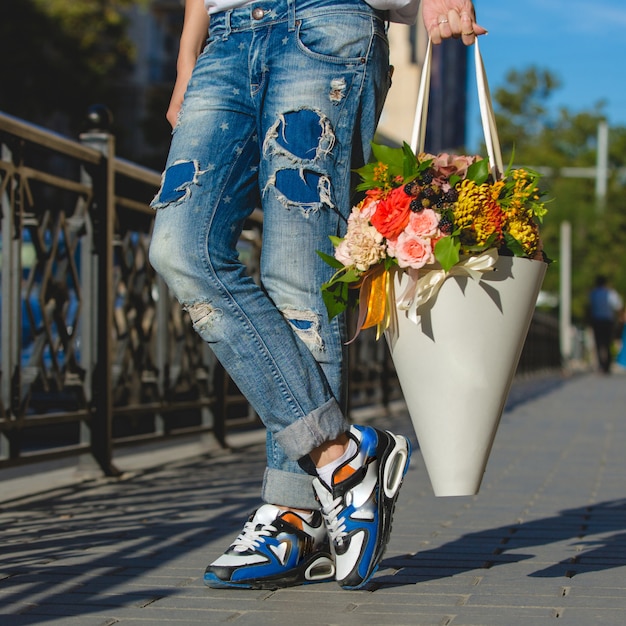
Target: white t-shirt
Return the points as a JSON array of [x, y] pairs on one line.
[[402, 11]]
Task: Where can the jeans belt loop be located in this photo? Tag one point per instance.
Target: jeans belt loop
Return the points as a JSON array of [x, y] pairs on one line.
[[291, 8], [227, 28]]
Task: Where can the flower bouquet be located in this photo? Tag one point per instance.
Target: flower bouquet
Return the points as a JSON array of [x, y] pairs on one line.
[[443, 256], [428, 216]]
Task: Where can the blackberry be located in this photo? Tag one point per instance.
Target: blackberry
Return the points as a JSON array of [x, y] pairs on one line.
[[445, 225], [452, 195], [429, 193], [416, 206], [412, 188], [428, 176]]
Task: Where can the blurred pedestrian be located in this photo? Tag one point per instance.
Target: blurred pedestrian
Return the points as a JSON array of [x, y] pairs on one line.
[[605, 305]]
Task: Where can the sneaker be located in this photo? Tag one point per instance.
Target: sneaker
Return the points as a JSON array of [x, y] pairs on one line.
[[277, 548], [358, 507]]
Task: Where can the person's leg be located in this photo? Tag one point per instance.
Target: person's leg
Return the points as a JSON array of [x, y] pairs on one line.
[[597, 340], [322, 93], [209, 187], [323, 90], [605, 341], [271, 354]]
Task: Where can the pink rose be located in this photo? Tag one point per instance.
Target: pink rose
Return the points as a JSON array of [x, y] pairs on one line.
[[411, 250], [448, 164], [424, 223]]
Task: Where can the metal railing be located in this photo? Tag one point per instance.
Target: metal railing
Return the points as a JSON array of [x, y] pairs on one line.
[[95, 353]]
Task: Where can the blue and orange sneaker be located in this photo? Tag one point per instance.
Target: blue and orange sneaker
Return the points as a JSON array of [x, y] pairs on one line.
[[358, 506], [277, 548]]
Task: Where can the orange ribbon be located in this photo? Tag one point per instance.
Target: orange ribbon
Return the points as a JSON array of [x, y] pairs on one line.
[[376, 299], [373, 301]]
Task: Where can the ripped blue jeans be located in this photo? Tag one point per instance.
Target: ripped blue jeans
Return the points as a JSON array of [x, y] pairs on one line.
[[282, 105]]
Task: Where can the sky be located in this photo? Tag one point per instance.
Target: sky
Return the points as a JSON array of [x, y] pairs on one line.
[[582, 43]]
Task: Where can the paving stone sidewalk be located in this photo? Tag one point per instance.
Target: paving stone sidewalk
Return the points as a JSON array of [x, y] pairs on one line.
[[543, 543]]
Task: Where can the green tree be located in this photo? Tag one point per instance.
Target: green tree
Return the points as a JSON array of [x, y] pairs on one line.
[[60, 56], [533, 134]]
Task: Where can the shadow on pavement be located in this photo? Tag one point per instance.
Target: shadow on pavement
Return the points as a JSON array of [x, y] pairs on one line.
[[596, 537], [90, 543]]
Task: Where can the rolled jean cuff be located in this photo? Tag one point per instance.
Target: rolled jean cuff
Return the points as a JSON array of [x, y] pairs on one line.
[[294, 491], [323, 424]]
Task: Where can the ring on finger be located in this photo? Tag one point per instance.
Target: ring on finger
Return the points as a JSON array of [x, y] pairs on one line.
[[443, 21], [470, 34]]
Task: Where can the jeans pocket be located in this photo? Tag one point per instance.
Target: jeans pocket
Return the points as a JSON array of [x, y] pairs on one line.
[[339, 37]]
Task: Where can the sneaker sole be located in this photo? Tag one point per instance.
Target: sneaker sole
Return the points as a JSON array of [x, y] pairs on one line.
[[319, 569]]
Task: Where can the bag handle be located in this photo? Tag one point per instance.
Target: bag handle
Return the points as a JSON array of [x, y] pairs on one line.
[[488, 119]]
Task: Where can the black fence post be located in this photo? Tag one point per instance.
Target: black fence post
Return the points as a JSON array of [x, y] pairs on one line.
[[103, 220]]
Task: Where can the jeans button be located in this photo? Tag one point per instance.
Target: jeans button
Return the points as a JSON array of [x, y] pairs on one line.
[[258, 13]]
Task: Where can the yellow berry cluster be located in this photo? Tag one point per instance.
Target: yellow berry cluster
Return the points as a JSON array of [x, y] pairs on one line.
[[520, 210], [484, 212], [478, 213]]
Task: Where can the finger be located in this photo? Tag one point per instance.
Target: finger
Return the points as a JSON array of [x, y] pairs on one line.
[[468, 38], [469, 30], [440, 29], [466, 24], [443, 22], [435, 36], [454, 22]]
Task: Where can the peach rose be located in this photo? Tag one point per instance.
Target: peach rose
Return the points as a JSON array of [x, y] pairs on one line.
[[368, 205]]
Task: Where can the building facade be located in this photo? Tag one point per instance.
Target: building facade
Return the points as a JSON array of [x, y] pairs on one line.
[[446, 129]]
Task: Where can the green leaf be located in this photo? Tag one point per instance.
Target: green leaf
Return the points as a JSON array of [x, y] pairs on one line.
[[454, 179], [411, 164], [393, 157], [514, 245], [351, 275], [479, 171], [367, 177], [331, 260], [364, 186], [335, 296], [400, 162], [390, 262], [447, 251], [509, 167]]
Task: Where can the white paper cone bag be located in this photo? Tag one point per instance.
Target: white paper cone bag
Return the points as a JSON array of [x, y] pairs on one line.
[[456, 365]]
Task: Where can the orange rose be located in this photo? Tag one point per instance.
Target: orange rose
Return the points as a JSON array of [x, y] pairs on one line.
[[392, 213]]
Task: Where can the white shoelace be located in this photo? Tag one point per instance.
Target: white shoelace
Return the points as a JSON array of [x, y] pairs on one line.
[[252, 536], [335, 525]]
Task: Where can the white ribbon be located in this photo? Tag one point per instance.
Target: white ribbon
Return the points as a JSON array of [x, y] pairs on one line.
[[423, 287]]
